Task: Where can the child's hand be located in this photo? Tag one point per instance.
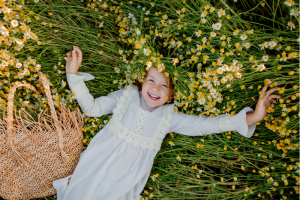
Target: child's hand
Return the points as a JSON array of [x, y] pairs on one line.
[[74, 60], [264, 102]]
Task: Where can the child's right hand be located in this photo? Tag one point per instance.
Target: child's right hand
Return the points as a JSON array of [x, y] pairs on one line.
[[74, 60]]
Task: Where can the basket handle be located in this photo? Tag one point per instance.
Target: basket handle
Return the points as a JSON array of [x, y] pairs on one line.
[[10, 139]]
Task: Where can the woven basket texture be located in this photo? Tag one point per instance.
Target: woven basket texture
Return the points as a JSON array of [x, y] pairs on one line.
[[35, 153]]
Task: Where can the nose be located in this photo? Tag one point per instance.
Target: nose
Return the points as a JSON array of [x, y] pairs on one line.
[[156, 87]]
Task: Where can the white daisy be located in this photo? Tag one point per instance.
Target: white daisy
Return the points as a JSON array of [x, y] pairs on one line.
[[291, 25], [261, 67], [149, 64], [294, 12], [235, 32], [198, 33], [147, 52], [213, 34], [203, 20], [284, 58], [243, 36], [199, 47], [217, 26], [14, 23], [265, 58], [262, 46], [201, 101], [63, 83], [213, 91], [289, 2], [224, 80], [273, 44], [203, 14], [18, 65], [174, 61], [26, 102], [250, 31], [221, 13], [216, 83], [247, 45], [238, 75], [7, 10]]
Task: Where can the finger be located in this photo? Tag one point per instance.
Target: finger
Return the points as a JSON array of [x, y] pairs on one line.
[[77, 49], [69, 54], [263, 91], [74, 56], [271, 91], [273, 96], [69, 58], [79, 55]]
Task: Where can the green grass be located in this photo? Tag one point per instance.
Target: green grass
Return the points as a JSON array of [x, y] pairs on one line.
[[222, 155]]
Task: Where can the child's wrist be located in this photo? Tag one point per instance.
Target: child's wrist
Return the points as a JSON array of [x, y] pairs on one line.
[[252, 118], [257, 117]]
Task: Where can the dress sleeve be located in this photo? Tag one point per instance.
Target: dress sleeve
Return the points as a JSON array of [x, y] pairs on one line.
[[197, 126], [94, 107]]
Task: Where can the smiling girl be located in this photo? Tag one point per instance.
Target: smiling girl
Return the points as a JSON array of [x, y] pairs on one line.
[[117, 163], [156, 89]]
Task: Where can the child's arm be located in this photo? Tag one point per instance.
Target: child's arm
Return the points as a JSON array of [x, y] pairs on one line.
[[243, 122], [93, 107], [198, 126]]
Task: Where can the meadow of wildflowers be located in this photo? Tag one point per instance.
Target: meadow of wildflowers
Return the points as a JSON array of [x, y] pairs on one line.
[[219, 54]]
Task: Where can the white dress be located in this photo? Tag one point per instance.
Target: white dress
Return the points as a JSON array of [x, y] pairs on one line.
[[117, 163]]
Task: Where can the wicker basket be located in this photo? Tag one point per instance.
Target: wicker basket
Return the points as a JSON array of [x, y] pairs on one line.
[[34, 154]]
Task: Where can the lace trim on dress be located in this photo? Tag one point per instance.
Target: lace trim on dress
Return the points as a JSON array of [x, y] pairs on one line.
[[136, 140], [139, 121], [225, 123], [165, 123], [132, 137]]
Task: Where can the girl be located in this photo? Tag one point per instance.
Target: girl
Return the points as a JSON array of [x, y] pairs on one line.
[[117, 163]]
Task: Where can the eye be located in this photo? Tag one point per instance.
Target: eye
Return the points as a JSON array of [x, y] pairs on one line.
[[150, 80], [165, 86]]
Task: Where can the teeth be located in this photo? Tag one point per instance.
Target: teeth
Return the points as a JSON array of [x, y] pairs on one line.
[[153, 96]]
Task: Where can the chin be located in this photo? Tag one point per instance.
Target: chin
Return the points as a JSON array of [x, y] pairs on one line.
[[151, 105]]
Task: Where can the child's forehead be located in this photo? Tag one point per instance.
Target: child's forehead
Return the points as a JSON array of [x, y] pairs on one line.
[[154, 73]]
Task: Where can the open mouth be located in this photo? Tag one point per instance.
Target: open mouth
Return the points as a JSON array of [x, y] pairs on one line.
[[153, 97]]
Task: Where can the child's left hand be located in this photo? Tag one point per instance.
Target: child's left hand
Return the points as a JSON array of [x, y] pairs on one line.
[[264, 102]]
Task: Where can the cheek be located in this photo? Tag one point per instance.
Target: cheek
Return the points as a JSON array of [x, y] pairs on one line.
[[164, 92], [147, 85], [145, 88]]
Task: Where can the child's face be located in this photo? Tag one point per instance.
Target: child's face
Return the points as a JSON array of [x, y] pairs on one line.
[[155, 88]]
